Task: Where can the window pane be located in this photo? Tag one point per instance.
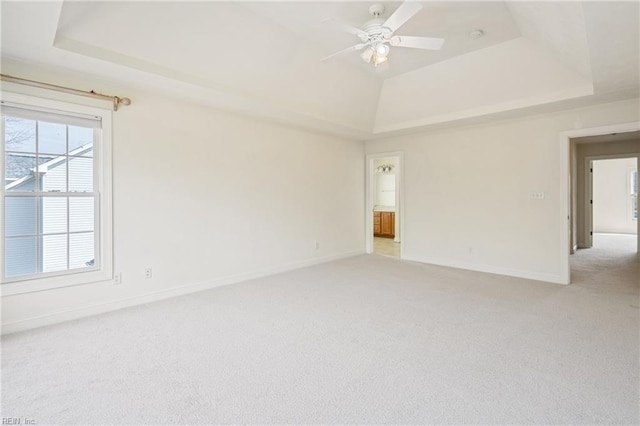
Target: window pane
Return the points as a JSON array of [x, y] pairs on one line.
[[54, 253], [54, 179], [81, 214], [80, 174], [81, 250], [19, 134], [80, 137], [52, 138], [18, 172], [54, 215], [20, 256], [20, 216]]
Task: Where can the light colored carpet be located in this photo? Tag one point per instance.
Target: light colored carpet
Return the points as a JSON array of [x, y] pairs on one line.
[[608, 264], [369, 339]]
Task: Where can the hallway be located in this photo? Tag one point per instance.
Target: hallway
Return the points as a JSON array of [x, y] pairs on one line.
[[611, 264]]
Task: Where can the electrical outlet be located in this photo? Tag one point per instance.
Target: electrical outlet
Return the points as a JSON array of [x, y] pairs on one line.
[[117, 278], [317, 245], [147, 273]]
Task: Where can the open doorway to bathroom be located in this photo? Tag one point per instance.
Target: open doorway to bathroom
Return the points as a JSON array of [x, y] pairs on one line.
[[383, 205]]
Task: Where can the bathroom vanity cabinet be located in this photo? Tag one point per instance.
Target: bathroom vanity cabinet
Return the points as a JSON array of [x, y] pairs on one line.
[[384, 224]]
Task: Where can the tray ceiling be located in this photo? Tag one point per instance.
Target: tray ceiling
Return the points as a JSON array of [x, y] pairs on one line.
[[263, 58]]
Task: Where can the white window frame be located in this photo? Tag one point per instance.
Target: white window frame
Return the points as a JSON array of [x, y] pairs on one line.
[[103, 174]]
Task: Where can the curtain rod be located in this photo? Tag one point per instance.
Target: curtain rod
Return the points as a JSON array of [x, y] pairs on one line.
[[116, 99]]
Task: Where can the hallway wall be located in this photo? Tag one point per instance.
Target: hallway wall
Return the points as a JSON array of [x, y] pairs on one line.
[[469, 191]]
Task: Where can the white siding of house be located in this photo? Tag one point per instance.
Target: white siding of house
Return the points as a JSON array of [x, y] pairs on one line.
[[81, 175], [29, 186], [54, 253], [20, 216], [55, 179], [21, 256], [81, 214], [81, 250], [20, 252], [81, 219], [54, 247]]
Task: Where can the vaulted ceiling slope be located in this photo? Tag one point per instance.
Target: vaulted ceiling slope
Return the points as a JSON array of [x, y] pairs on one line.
[[263, 58]]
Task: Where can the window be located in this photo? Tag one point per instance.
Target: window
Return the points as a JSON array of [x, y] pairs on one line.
[[56, 194], [633, 184]]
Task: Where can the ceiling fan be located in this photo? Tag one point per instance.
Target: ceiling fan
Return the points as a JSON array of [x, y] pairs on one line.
[[377, 34]]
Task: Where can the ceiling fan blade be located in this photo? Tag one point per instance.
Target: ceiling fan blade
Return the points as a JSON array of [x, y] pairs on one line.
[[347, 50], [345, 27], [431, 43], [402, 14]]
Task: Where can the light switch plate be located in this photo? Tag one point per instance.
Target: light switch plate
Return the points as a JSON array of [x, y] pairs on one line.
[[537, 195]]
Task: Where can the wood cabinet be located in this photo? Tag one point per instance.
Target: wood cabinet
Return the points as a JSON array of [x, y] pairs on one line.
[[384, 224], [376, 224]]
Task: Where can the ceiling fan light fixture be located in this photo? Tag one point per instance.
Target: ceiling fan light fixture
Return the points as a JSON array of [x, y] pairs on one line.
[[377, 60], [367, 54], [382, 50]]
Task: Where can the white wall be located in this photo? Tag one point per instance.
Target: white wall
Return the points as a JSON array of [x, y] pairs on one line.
[[206, 198], [385, 190], [385, 184], [611, 196], [467, 191]]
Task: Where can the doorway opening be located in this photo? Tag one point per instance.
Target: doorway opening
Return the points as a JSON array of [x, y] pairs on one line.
[[613, 208], [603, 224], [384, 204]]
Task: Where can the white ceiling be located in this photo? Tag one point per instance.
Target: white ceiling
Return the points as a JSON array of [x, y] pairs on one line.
[[452, 21], [263, 58]]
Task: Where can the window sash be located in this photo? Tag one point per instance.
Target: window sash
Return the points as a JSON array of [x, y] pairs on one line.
[[70, 119], [50, 116], [39, 235]]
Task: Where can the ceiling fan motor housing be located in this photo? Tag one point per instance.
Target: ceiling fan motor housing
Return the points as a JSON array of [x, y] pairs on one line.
[[373, 30]]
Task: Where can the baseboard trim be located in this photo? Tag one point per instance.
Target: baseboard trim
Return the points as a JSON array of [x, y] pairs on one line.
[[536, 276], [100, 308]]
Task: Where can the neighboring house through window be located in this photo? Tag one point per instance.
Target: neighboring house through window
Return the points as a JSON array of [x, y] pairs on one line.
[[56, 228]]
